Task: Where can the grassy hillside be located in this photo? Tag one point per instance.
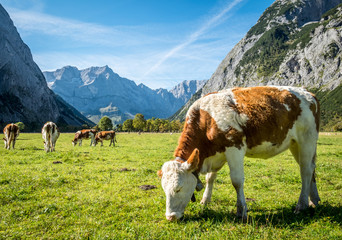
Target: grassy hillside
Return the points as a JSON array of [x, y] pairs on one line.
[[331, 108], [93, 193]]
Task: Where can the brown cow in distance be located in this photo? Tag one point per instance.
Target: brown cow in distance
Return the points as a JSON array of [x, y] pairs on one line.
[[84, 134], [105, 135], [11, 132]]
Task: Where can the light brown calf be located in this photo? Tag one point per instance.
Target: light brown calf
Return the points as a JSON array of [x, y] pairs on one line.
[[11, 132], [105, 135]]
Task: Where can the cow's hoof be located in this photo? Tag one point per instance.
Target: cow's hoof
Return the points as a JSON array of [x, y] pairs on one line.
[[199, 186], [300, 208], [205, 201], [312, 205]]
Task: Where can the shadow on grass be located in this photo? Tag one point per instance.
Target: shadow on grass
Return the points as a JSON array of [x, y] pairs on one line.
[[32, 148], [279, 217]]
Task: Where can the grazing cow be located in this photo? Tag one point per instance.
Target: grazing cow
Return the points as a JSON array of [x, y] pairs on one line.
[[225, 126], [105, 135], [84, 134], [11, 132], [50, 134]]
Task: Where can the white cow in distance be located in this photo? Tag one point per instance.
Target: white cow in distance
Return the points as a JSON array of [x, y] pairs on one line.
[[225, 126], [50, 134]]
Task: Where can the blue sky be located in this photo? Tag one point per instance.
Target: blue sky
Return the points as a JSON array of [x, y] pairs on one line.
[[155, 42]]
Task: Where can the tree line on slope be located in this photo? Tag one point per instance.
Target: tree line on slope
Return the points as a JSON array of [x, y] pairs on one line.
[[140, 124]]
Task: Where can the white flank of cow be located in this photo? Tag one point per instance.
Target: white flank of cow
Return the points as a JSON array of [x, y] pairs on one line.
[[84, 134], [50, 134], [225, 126], [11, 132]]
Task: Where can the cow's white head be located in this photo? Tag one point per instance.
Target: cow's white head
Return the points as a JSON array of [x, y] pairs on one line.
[[179, 184]]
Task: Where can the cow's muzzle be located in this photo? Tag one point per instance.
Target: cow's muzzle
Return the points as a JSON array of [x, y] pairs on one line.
[[174, 216]]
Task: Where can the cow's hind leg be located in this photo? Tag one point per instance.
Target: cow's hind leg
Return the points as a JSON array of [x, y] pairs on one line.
[[13, 143], [305, 155], [235, 161], [210, 178]]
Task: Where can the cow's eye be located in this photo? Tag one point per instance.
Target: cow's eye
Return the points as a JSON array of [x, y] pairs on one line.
[[178, 190]]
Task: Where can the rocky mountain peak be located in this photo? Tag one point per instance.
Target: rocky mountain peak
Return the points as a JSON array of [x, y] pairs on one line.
[[24, 94], [98, 91], [282, 49]]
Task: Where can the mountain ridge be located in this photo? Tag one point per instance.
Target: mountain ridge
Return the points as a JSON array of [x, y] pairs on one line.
[[99, 91]]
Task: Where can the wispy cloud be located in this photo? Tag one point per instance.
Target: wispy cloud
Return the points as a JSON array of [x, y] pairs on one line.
[[194, 36], [40, 23], [135, 52]]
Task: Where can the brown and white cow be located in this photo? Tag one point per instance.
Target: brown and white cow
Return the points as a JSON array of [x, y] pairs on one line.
[[50, 134], [11, 132], [105, 135], [225, 126], [84, 134]]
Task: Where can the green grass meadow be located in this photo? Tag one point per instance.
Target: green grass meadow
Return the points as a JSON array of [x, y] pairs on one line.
[[93, 193]]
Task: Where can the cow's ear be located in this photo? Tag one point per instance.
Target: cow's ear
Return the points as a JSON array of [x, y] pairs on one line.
[[160, 173], [193, 161]]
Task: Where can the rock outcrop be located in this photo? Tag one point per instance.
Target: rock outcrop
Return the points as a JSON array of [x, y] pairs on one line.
[[24, 94], [295, 42]]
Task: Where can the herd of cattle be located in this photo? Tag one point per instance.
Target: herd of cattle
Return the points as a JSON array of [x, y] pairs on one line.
[[50, 134], [224, 127]]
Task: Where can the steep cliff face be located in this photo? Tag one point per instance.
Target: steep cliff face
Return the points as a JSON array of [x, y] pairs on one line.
[[98, 92], [24, 95], [295, 42]]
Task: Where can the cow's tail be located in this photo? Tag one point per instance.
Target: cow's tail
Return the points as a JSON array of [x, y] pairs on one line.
[[10, 135], [53, 130], [11, 132], [48, 137]]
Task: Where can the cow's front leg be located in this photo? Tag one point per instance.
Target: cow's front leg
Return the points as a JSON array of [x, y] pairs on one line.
[[210, 178], [235, 161]]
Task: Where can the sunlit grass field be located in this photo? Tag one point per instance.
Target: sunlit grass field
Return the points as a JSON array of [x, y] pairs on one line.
[[93, 193]]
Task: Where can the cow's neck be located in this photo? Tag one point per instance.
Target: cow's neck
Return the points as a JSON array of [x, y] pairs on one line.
[[189, 140]]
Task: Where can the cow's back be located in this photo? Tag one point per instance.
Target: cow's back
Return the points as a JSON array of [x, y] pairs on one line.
[[258, 116], [272, 112]]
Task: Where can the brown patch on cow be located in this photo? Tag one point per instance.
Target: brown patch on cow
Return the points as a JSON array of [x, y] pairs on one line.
[[210, 93], [193, 160], [268, 118], [202, 133], [47, 126], [178, 160], [10, 128], [160, 173], [147, 187]]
